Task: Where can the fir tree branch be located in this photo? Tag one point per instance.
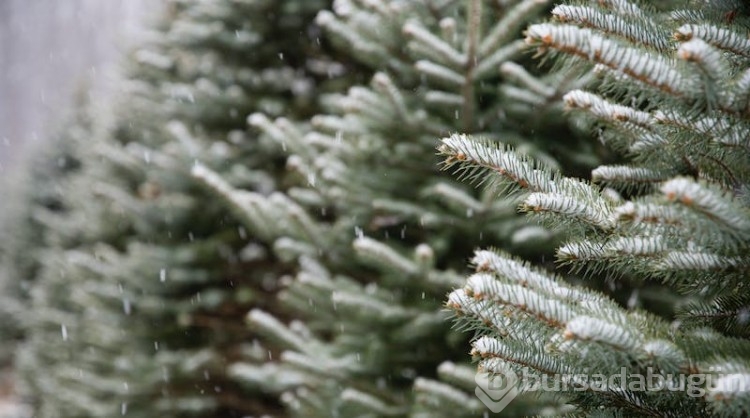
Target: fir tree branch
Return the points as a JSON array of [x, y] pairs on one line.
[[650, 69]]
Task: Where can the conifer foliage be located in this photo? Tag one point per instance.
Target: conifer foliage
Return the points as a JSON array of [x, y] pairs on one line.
[[370, 214], [258, 225], [324, 224], [198, 266], [29, 194], [672, 97], [140, 280]]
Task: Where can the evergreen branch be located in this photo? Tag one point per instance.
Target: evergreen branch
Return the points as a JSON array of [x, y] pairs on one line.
[[428, 219], [519, 95], [624, 8], [569, 207], [370, 51], [475, 313], [525, 275], [444, 99], [324, 365], [370, 309], [664, 354], [618, 253], [605, 110], [521, 170], [726, 131], [649, 213], [273, 328], [635, 32], [587, 328], [718, 37], [360, 97], [446, 395], [487, 67], [474, 23], [256, 211], [710, 66], [687, 15], [506, 28], [448, 30], [646, 142], [550, 311], [383, 83], [683, 260], [492, 349], [740, 96], [442, 51], [366, 402], [299, 219], [492, 157], [713, 203], [266, 375], [729, 314], [343, 126], [629, 178], [684, 235], [384, 257], [647, 68], [456, 198], [281, 131], [518, 74], [458, 374], [440, 73], [551, 192]]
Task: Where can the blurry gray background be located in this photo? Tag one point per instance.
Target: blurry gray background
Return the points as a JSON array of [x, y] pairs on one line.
[[50, 49]]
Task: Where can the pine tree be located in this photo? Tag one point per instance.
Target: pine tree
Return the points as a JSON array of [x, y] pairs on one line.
[[146, 276], [672, 98], [142, 280], [137, 305], [29, 192], [33, 188], [369, 215]]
